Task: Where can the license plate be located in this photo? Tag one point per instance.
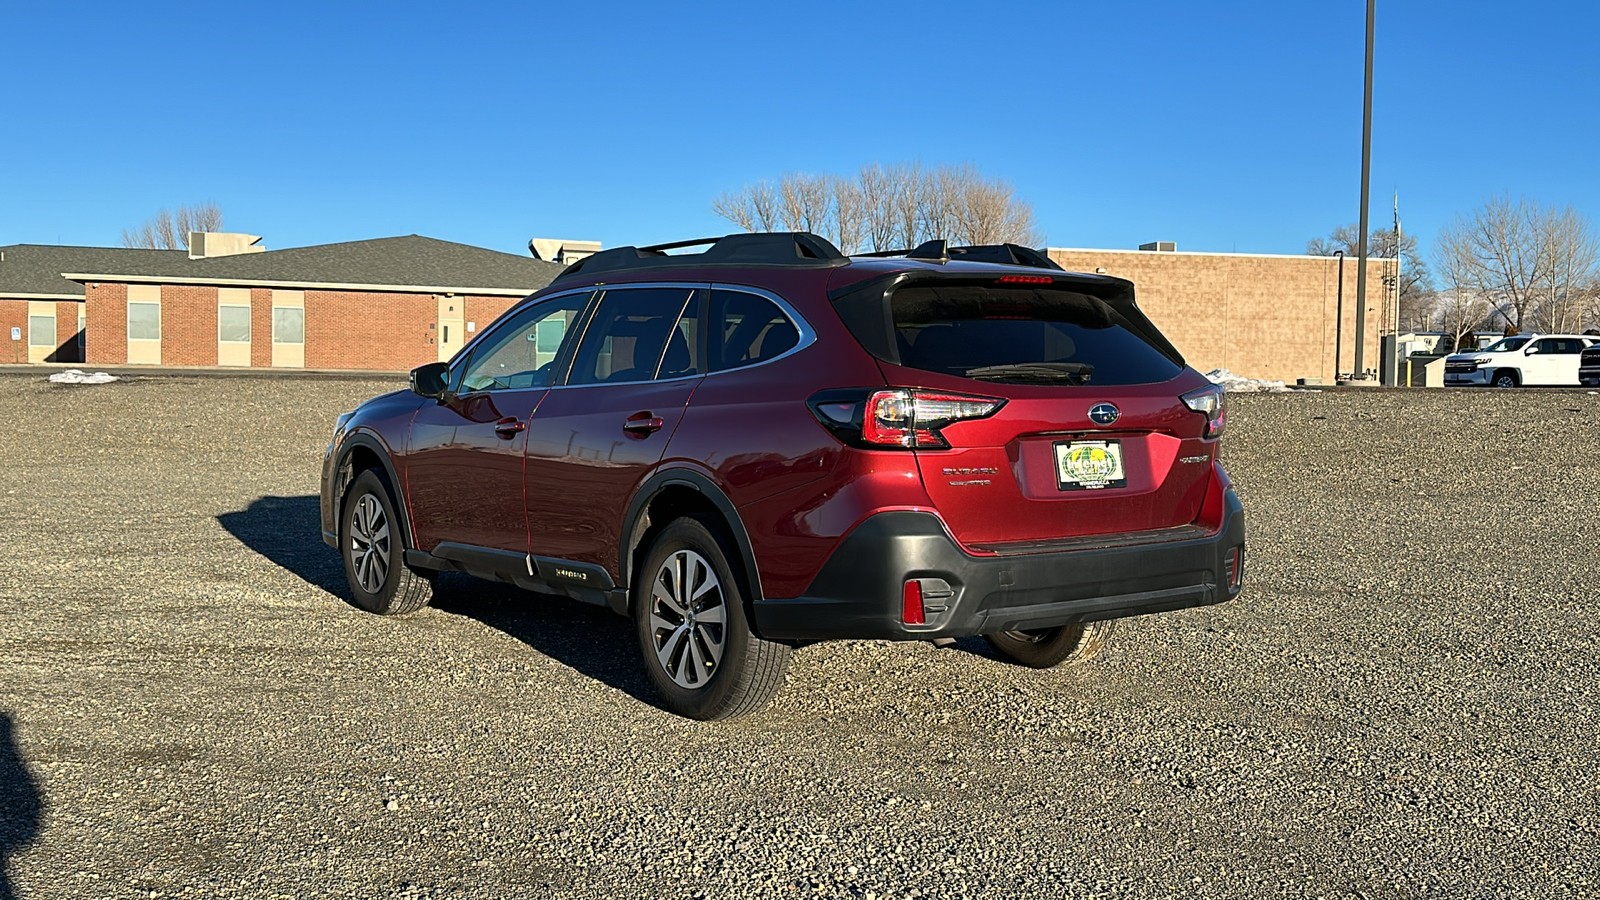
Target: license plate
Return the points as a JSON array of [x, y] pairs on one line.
[[1089, 465]]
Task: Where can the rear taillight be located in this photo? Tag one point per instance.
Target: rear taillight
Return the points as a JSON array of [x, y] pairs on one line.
[[897, 418], [1210, 402]]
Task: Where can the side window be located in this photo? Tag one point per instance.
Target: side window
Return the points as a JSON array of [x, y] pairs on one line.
[[1548, 345], [630, 334], [522, 353], [746, 329]]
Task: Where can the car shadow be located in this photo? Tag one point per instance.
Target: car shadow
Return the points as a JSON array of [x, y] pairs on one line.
[[21, 805], [288, 532], [588, 639]]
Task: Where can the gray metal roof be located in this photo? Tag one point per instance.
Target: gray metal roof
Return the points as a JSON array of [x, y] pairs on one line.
[[396, 262], [37, 268]]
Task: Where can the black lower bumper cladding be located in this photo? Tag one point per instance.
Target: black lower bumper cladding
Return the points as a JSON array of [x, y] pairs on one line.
[[858, 592]]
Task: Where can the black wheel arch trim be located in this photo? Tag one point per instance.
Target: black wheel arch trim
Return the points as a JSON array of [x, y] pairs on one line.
[[365, 441], [695, 481]]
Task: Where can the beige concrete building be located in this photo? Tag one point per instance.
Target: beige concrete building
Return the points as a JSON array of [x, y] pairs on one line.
[[1257, 315]]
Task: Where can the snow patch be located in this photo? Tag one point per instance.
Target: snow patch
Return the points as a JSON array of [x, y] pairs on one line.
[[1239, 384], [78, 376]]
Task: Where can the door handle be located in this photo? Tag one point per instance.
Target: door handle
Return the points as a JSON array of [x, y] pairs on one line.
[[509, 428], [642, 424]]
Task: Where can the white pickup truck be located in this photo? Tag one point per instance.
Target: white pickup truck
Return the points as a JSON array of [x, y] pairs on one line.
[[1524, 359]]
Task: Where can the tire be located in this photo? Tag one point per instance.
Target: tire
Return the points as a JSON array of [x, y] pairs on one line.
[[374, 554], [702, 657], [1046, 648], [1505, 378]]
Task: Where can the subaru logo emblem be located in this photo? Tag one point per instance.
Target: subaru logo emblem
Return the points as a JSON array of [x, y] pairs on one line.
[[1104, 413]]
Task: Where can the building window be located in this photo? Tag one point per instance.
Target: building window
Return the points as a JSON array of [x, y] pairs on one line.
[[233, 324], [41, 331], [144, 321], [288, 325]]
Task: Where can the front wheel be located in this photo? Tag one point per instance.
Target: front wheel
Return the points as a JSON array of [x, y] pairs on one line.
[[1505, 379], [1044, 648], [374, 554], [689, 611]]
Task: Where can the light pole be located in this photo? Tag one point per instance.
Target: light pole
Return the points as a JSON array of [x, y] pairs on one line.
[[1366, 180]]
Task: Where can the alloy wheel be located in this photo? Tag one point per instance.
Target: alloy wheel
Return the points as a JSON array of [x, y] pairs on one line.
[[688, 619], [369, 544]]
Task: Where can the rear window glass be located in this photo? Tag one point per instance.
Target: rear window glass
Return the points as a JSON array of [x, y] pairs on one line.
[[751, 330], [629, 336], [1022, 335]]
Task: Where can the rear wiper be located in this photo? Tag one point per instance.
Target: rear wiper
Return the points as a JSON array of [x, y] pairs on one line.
[[1077, 373]]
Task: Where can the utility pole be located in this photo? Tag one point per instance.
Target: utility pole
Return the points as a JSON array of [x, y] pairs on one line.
[[1366, 179]]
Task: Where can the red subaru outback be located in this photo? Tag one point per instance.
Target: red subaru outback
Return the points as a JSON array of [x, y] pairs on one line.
[[769, 443]]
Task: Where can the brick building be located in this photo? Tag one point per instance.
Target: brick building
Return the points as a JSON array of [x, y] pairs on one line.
[[394, 303], [384, 304], [42, 313], [1257, 315]]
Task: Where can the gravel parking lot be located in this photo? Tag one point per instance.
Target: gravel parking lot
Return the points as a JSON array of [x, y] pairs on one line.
[[1402, 704]]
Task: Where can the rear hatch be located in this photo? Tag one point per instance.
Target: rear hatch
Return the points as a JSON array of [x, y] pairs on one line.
[[1057, 409]]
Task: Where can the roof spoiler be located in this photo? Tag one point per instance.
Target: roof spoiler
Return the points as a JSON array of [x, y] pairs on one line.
[[1005, 254]]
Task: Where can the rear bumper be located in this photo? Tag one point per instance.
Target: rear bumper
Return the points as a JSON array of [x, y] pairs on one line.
[[858, 592]]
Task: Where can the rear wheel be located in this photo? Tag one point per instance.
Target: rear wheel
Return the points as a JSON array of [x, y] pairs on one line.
[[1505, 378], [374, 554], [689, 611], [1044, 648]]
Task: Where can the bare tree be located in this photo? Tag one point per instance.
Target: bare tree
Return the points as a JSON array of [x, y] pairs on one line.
[[1535, 264], [1415, 284], [1462, 308], [1573, 271], [169, 229], [886, 207]]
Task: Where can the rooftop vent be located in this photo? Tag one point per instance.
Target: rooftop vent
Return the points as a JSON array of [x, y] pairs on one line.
[[1160, 246], [559, 251], [208, 244]]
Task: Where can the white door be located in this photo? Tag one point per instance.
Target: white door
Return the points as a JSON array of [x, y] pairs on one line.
[[450, 327], [1539, 362]]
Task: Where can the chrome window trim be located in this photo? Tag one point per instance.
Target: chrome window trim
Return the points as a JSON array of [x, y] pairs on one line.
[[806, 339]]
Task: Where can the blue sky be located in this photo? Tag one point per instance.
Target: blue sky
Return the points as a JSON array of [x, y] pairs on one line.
[[1220, 126]]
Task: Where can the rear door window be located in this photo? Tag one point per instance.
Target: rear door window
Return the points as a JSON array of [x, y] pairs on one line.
[[630, 335], [1022, 336]]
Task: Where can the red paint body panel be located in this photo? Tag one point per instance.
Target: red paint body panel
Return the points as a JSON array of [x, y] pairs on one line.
[[583, 467], [465, 478], [998, 482]]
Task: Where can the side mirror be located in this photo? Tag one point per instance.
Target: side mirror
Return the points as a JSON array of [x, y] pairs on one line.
[[1530, 351], [430, 380]]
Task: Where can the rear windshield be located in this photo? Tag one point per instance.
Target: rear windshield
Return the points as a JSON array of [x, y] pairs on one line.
[[1022, 335]]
